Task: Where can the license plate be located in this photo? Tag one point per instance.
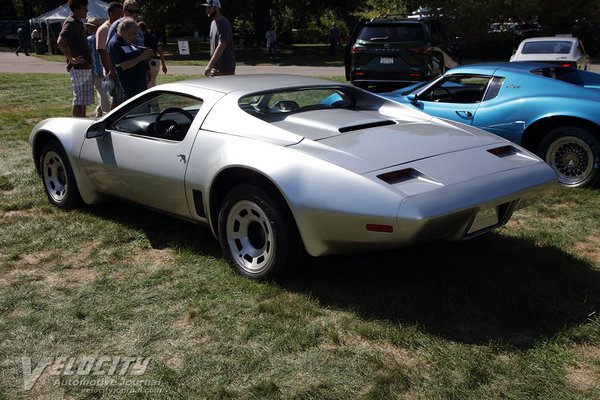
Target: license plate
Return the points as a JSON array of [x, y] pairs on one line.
[[386, 60], [484, 219]]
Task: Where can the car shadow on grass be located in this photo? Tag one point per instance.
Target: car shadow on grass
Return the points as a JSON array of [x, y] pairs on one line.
[[492, 288], [162, 231]]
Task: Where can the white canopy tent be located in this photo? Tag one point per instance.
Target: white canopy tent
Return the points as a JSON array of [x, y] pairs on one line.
[[51, 21]]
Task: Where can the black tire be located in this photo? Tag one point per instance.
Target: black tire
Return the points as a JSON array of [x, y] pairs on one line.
[[257, 234], [57, 177], [574, 154]]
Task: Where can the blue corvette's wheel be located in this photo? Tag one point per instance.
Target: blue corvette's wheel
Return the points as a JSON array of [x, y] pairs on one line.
[[58, 178], [574, 154], [257, 234]]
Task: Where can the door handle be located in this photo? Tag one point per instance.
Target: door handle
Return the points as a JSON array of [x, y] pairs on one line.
[[464, 114]]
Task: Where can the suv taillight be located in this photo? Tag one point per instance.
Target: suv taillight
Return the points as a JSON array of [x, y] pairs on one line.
[[420, 50], [569, 64], [357, 49]]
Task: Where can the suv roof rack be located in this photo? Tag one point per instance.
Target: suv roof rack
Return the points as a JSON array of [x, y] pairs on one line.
[[390, 16]]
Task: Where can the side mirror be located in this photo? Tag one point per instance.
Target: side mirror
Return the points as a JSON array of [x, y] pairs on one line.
[[97, 130], [412, 98]]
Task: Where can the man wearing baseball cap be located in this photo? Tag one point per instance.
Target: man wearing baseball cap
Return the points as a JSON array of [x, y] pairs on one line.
[[222, 51]]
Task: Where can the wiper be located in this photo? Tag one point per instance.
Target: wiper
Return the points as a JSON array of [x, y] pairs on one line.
[[380, 39]]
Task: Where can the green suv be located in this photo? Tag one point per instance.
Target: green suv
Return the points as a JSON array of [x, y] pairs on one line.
[[399, 50]]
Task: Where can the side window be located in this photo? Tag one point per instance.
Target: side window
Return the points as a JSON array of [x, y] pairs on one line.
[[438, 33], [493, 88], [458, 89], [163, 116]]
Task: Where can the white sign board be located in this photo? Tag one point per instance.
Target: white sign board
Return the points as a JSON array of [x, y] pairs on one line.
[[184, 47]]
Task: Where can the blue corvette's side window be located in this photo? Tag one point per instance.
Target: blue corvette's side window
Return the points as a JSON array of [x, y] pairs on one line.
[[493, 88], [464, 89]]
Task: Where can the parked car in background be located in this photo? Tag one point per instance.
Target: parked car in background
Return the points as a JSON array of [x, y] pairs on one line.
[[565, 51], [548, 109], [277, 165], [399, 49]]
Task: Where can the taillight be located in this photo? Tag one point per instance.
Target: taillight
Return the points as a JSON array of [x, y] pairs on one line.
[[357, 49], [380, 228], [569, 64], [420, 50]]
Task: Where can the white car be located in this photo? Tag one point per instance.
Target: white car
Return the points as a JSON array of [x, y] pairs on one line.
[[566, 51]]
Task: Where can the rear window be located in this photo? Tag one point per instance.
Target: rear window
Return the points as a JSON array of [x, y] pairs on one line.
[[569, 75], [393, 33], [547, 47], [297, 100]]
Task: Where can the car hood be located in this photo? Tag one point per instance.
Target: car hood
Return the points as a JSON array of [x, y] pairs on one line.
[[366, 143]]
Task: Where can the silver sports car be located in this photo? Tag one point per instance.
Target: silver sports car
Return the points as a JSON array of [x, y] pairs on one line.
[[280, 165]]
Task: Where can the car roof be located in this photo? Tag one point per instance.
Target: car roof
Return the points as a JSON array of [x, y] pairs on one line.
[[489, 68], [550, 38], [384, 21], [251, 83]]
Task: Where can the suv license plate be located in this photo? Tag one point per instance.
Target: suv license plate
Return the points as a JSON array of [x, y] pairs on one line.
[[386, 60]]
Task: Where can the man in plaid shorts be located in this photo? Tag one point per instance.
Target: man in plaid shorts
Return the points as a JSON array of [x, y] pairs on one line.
[[72, 42]]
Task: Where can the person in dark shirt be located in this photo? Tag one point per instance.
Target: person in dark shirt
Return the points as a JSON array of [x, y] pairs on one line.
[[72, 42], [130, 61], [22, 38], [222, 52], [152, 42]]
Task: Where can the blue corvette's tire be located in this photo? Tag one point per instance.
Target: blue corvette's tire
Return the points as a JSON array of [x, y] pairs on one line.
[[574, 154], [257, 234], [59, 182]]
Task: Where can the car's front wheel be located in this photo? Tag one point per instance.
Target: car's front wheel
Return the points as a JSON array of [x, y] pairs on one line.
[[59, 182], [574, 154], [257, 233]]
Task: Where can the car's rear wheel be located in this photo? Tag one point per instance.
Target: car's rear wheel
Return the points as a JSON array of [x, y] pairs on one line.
[[574, 154], [257, 233], [59, 182]]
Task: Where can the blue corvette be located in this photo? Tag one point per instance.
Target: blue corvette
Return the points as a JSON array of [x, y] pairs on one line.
[[551, 110]]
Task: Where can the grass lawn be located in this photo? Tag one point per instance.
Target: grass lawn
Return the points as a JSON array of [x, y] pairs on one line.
[[514, 314]]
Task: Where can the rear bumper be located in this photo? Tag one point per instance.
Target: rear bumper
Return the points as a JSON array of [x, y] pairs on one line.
[[448, 213]]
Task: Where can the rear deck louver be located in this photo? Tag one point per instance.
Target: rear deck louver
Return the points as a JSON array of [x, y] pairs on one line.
[[368, 125]]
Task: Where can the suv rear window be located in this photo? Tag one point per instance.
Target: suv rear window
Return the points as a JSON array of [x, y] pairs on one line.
[[393, 33]]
